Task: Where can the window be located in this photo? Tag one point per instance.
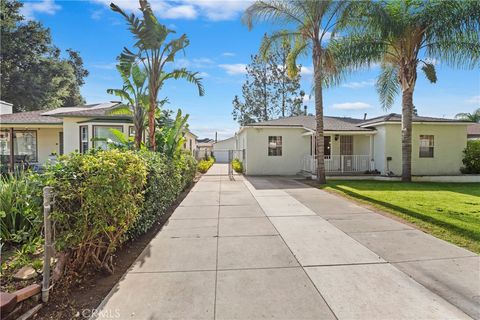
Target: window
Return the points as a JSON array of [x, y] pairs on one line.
[[326, 146], [190, 144], [275, 145], [83, 139], [131, 131], [60, 143], [346, 145], [104, 132], [426, 146]]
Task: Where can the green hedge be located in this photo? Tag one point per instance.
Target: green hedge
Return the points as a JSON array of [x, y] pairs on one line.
[[237, 165], [471, 157], [98, 197], [166, 179], [204, 165]]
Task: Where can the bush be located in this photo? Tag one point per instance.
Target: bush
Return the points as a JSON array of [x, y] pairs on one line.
[[204, 165], [471, 157], [20, 207], [166, 179], [237, 165], [98, 197]]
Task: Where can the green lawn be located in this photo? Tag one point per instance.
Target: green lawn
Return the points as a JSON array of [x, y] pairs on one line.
[[450, 211]]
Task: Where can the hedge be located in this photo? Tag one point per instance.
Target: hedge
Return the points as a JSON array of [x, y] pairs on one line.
[[204, 165], [237, 165], [471, 157]]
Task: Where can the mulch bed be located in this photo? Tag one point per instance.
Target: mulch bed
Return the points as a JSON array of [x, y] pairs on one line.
[[83, 297]]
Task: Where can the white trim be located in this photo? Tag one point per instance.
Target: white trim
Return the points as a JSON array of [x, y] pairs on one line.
[[416, 122]]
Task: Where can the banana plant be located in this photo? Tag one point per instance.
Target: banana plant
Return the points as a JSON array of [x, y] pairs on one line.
[[134, 94], [156, 52], [170, 138]]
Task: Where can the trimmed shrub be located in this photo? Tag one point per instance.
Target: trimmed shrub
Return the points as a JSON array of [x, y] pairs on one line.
[[471, 157], [237, 165], [20, 207], [166, 179], [98, 197], [204, 165]]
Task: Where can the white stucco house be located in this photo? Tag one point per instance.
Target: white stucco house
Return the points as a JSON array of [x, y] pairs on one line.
[[40, 135], [221, 149], [286, 146]]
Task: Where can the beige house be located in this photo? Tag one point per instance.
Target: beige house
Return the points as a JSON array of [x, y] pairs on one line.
[[352, 146], [204, 148], [190, 143], [42, 135]]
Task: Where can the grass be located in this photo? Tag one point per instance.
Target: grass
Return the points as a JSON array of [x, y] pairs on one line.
[[449, 211]]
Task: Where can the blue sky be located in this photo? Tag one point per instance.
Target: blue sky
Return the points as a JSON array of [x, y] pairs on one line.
[[219, 48]]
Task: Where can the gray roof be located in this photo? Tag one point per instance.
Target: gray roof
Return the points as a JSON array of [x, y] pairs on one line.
[[395, 117], [473, 130], [98, 111], [308, 122], [30, 117]]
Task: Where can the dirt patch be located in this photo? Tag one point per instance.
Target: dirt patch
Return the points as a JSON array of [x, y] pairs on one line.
[[92, 288]]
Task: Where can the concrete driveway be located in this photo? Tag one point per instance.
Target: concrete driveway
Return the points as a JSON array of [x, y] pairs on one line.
[[273, 248]]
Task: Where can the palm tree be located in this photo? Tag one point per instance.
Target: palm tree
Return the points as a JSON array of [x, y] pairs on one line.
[[313, 22], [405, 36], [135, 93], [473, 117], [155, 52]]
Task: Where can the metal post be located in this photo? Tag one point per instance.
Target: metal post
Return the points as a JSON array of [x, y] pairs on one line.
[[47, 201]]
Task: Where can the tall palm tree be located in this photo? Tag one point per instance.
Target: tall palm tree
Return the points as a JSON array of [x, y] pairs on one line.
[[135, 93], [313, 22], [155, 52], [473, 117], [405, 36]]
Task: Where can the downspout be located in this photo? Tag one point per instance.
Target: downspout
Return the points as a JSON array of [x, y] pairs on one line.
[[12, 152]]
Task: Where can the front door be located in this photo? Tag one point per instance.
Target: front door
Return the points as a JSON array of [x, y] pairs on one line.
[[346, 151]]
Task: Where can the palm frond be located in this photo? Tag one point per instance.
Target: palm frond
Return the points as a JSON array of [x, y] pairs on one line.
[[358, 51], [273, 11], [430, 72], [122, 94], [183, 73], [387, 86], [122, 110]]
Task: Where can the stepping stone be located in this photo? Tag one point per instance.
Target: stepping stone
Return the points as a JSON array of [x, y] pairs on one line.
[[25, 273]]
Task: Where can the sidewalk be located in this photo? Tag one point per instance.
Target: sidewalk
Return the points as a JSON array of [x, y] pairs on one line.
[[275, 248]]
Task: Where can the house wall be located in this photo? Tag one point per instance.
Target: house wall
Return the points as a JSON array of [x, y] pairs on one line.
[[71, 129], [361, 144], [190, 138], [449, 142], [48, 142], [294, 147], [379, 142]]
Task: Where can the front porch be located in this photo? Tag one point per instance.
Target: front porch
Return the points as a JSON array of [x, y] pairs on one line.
[[344, 153]]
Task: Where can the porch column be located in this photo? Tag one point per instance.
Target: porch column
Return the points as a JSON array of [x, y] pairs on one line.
[[12, 152], [372, 163]]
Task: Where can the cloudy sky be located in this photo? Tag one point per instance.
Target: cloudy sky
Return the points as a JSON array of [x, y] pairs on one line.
[[220, 47]]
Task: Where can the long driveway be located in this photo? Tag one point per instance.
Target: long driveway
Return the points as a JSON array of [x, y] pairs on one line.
[[273, 248]]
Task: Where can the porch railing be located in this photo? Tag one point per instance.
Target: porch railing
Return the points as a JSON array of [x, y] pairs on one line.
[[340, 163]]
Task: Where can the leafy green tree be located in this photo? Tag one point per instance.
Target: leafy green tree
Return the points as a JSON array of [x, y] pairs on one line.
[[404, 36], [156, 52], [135, 93], [473, 117], [34, 75], [311, 22]]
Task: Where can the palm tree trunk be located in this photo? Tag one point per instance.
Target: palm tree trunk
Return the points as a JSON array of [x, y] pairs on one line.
[[407, 114], [317, 71], [151, 122], [138, 137]]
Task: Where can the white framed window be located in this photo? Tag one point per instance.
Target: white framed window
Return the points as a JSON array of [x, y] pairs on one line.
[[104, 132], [427, 146], [131, 131], [83, 139], [275, 146]]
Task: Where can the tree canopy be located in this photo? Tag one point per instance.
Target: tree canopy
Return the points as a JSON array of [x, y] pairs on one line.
[[34, 73]]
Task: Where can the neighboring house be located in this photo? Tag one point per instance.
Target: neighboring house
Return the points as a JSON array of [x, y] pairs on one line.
[[473, 131], [39, 135], [204, 148], [222, 147], [190, 143], [287, 146]]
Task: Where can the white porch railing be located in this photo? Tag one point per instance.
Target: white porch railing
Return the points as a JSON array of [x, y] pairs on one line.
[[340, 163]]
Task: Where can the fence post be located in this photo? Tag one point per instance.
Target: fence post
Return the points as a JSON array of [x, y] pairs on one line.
[[47, 205]]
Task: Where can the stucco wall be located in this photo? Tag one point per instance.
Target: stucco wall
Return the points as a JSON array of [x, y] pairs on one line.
[[48, 141], [449, 140], [294, 148], [379, 142], [190, 138]]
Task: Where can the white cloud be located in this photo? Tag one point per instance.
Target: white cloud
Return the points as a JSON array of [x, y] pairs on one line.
[[473, 100], [203, 74], [105, 66], [97, 14], [359, 84], [306, 71], [209, 132], [194, 63], [29, 9], [188, 9], [228, 54], [351, 106], [233, 69]]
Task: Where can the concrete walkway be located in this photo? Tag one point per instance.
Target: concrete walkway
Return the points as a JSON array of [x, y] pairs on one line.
[[274, 248]]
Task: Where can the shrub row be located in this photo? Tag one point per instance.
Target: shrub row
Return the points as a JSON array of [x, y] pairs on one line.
[[204, 165], [101, 199]]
